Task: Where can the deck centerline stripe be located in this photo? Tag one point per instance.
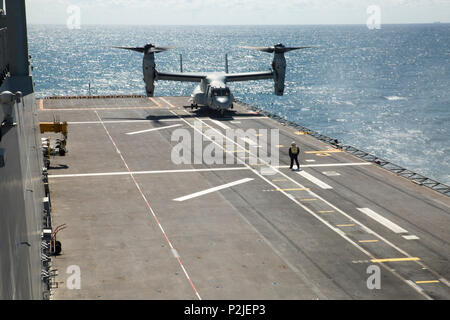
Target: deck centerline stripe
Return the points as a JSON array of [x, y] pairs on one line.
[[220, 124], [415, 286], [214, 189]]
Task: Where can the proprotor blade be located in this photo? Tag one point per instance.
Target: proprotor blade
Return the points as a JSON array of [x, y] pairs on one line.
[[264, 49], [165, 48], [286, 49], [137, 49], [148, 48], [278, 48]]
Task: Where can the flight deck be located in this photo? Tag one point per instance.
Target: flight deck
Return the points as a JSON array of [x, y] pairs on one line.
[[140, 226]]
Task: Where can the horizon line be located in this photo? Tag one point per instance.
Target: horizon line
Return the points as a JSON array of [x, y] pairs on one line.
[[239, 25]]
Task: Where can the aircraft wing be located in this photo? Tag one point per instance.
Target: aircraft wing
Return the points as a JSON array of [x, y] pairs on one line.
[[246, 76], [181, 76]]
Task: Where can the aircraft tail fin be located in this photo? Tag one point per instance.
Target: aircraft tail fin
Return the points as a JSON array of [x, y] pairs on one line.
[[226, 62], [181, 62]]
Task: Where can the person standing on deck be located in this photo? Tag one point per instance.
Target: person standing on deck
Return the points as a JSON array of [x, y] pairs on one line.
[[294, 150]]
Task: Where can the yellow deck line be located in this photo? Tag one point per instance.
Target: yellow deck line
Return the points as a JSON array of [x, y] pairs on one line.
[[429, 281], [364, 241], [312, 199], [325, 211], [395, 259], [345, 225], [294, 189]]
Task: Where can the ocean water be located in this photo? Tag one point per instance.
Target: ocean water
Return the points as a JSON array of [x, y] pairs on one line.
[[384, 91]]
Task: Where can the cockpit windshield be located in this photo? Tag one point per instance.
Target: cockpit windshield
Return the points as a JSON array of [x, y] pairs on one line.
[[221, 92]]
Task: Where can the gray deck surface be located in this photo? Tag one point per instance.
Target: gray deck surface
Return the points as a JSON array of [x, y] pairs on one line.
[[281, 236]]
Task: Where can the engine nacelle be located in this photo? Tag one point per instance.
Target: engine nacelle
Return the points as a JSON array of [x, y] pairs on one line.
[[279, 70], [148, 64], [148, 70]]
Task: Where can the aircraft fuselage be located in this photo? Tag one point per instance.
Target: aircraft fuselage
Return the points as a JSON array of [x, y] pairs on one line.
[[213, 93]]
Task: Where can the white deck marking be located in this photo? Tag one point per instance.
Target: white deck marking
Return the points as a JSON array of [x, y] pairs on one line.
[[175, 253], [314, 180], [150, 209], [249, 141], [123, 121], [224, 186], [331, 173], [152, 120], [98, 109], [411, 237], [415, 286], [142, 172], [330, 165], [338, 231], [154, 129], [240, 117], [220, 124], [385, 222]]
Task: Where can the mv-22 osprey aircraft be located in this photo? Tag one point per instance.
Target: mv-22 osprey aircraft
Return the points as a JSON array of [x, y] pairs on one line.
[[212, 90]]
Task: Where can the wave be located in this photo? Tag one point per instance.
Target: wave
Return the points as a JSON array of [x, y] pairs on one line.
[[395, 98]]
